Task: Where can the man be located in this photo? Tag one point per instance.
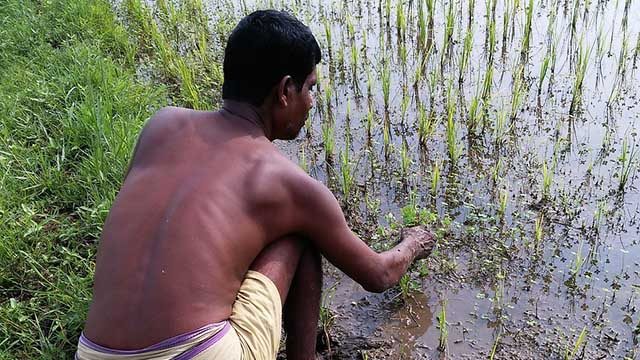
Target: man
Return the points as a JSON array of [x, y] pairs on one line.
[[214, 230]]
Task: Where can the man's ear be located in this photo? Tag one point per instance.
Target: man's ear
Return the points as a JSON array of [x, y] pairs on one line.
[[283, 90]]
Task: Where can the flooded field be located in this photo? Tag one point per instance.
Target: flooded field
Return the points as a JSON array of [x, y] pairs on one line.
[[509, 127]]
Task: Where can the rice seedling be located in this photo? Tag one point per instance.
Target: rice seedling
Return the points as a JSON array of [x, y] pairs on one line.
[[442, 325], [405, 160], [526, 38], [547, 179], [466, 53], [401, 22], [504, 199], [495, 345], [471, 10], [430, 16], [422, 28], [426, 126], [386, 134], [543, 72], [447, 41], [581, 69], [497, 170], [636, 51], [501, 128], [370, 120], [517, 91], [538, 230], [386, 82], [626, 160], [346, 178], [452, 138], [404, 105], [577, 263], [487, 84], [578, 344], [327, 33], [435, 178], [506, 19], [328, 140], [303, 160], [492, 41]]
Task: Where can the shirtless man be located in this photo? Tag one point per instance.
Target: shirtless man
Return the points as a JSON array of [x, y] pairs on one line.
[[215, 230]]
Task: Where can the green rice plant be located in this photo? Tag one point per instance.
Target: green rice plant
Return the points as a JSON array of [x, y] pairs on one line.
[[473, 112], [538, 230], [504, 199], [328, 140], [581, 69], [466, 53], [386, 82], [369, 121], [526, 38], [401, 22], [422, 28], [501, 128], [577, 263], [492, 41], [327, 33], [387, 13], [470, 11], [447, 42], [404, 105], [346, 178], [578, 344], [430, 16], [495, 345], [452, 138], [547, 179], [506, 19], [426, 126], [636, 51], [435, 178], [487, 84], [442, 325], [405, 159], [626, 160], [369, 83], [497, 170], [386, 133], [354, 61], [517, 91], [543, 72], [303, 160]]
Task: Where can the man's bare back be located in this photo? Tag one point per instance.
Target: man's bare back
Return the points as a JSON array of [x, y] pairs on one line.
[[204, 195]]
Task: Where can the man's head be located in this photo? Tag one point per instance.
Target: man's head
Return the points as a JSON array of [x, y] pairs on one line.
[[270, 62]]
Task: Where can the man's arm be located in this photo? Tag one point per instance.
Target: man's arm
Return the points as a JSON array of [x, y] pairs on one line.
[[321, 220]]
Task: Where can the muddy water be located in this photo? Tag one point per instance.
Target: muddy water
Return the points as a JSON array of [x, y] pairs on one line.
[[505, 289]]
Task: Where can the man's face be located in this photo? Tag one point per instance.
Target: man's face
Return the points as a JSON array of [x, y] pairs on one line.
[[301, 103]]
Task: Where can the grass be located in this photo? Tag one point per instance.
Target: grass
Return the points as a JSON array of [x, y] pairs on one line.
[[452, 133], [71, 109]]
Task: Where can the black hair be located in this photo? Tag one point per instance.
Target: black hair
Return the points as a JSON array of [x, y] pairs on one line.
[[265, 46]]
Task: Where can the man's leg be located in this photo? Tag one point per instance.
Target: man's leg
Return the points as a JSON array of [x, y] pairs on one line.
[[294, 267], [302, 309]]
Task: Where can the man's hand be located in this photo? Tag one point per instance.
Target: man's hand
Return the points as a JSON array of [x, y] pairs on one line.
[[420, 239]]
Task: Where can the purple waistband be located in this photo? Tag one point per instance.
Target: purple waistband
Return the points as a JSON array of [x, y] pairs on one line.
[[177, 340]]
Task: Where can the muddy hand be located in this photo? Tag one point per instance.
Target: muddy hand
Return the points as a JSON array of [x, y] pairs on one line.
[[424, 240]]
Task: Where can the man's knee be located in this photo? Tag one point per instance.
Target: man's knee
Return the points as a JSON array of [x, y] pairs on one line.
[[279, 261]]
